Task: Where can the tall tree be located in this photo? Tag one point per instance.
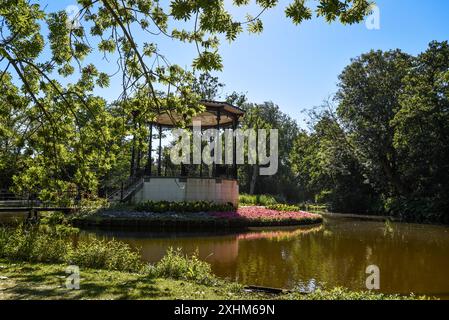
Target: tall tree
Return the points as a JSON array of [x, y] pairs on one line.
[[422, 130], [368, 99], [269, 116]]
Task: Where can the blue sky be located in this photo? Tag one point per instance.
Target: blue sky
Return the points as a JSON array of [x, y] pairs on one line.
[[297, 67]]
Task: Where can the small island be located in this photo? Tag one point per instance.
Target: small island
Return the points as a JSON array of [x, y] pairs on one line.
[[194, 215]]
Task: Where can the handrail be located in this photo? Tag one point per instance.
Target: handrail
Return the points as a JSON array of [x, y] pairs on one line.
[[126, 188]]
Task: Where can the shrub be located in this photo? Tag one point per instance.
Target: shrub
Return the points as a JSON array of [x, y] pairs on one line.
[[257, 200], [102, 254], [178, 266], [184, 206], [55, 245], [53, 218], [33, 245]]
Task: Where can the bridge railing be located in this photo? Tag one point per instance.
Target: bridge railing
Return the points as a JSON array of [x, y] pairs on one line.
[[37, 199]]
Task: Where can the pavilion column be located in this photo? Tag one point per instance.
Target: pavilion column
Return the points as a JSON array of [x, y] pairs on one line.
[[217, 138], [150, 147], [159, 163], [234, 149]]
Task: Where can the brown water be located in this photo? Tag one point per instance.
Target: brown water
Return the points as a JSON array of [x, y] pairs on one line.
[[411, 258]]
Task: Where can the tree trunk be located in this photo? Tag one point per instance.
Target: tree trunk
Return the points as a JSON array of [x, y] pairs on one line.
[[252, 184]]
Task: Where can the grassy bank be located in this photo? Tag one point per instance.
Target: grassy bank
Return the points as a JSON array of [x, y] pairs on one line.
[[22, 280]]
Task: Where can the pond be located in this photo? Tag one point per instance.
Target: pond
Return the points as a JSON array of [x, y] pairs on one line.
[[411, 258]]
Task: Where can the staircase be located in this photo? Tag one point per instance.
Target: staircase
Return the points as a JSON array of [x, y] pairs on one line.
[[128, 188]]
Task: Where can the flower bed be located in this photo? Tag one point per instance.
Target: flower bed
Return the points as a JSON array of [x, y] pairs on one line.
[[238, 218], [264, 214]]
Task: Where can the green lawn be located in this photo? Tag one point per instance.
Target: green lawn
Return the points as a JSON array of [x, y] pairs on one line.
[[42, 281]]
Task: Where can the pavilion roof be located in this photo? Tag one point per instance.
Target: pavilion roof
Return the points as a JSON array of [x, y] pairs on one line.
[[208, 118]]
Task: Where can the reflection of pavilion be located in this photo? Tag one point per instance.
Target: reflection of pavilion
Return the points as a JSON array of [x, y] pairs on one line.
[[217, 182], [220, 250], [278, 234]]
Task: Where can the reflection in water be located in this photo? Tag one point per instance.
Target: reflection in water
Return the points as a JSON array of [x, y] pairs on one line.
[[411, 258], [218, 249]]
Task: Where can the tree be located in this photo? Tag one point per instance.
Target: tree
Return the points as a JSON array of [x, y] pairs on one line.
[[208, 87], [368, 99], [269, 116], [422, 132], [385, 148], [326, 168]]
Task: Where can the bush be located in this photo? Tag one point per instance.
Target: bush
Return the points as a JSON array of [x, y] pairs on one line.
[[55, 245], [415, 210], [176, 265], [53, 218], [184, 206], [33, 245], [257, 200], [102, 254]]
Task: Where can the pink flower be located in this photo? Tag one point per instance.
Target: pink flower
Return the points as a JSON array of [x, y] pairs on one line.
[[263, 213]]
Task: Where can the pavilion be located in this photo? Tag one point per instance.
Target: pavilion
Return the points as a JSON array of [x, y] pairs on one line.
[[216, 183]]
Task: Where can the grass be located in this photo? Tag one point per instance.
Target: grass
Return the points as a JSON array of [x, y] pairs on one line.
[[39, 281], [47, 281], [257, 200], [345, 294]]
